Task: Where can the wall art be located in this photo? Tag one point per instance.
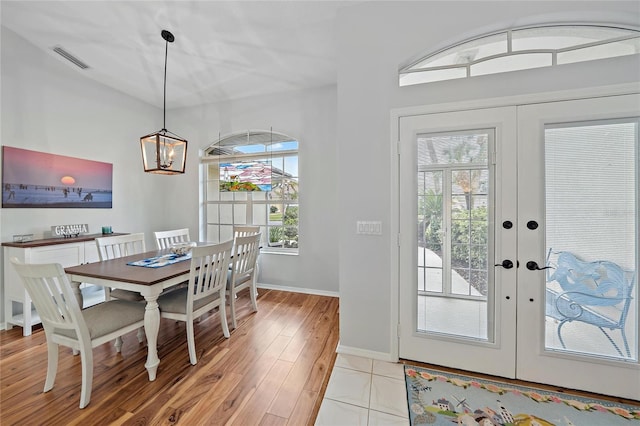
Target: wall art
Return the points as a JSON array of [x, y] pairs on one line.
[[32, 179]]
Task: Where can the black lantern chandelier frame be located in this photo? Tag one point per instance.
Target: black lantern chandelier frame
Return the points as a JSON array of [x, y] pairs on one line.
[[164, 152]]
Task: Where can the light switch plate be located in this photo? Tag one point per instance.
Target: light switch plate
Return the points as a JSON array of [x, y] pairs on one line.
[[369, 227]]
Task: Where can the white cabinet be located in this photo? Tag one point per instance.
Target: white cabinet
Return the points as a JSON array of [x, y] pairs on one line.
[[18, 309]]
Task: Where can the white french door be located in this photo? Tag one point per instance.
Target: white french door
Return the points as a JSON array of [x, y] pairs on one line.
[[487, 198], [578, 180], [455, 308]]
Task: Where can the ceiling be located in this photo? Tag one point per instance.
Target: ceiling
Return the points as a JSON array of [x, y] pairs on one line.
[[223, 49]]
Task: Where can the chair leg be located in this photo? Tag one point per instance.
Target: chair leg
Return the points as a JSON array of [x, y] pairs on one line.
[[86, 354], [118, 344], [612, 342], [626, 344], [222, 312], [140, 335], [52, 365], [560, 335], [253, 292], [232, 306], [191, 342]]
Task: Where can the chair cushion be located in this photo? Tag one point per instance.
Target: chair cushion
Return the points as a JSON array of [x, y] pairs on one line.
[[240, 279], [108, 317], [176, 301], [132, 296]]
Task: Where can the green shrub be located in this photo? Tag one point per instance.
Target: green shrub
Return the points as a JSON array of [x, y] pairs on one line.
[[469, 239], [290, 220], [276, 234]]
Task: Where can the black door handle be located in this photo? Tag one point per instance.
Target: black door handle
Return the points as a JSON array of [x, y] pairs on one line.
[[506, 264], [533, 266]]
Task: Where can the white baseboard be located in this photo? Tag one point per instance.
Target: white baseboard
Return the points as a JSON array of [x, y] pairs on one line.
[[380, 356], [299, 290]]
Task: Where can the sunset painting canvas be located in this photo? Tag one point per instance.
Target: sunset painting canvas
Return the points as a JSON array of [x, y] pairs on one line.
[[32, 179]]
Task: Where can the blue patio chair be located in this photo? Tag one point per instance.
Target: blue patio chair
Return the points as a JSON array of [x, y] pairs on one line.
[[597, 293]]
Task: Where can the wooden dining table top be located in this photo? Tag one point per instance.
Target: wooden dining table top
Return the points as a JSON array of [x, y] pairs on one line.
[[118, 270]]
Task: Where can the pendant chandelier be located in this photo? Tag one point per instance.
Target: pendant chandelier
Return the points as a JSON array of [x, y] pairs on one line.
[[164, 152]]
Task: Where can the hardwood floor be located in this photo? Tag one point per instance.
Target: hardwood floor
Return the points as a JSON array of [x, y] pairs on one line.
[[272, 371]]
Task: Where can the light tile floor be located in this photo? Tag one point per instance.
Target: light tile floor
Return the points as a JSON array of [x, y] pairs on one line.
[[366, 392]]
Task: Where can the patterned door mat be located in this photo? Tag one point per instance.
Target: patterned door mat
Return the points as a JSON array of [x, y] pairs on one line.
[[440, 398]]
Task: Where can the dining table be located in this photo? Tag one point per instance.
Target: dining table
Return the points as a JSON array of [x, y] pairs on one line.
[[148, 281]]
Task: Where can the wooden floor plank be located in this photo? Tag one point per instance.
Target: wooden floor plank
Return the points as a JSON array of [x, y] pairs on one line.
[[271, 420], [253, 409]]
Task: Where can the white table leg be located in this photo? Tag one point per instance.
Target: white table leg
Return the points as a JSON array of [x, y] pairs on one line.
[[151, 328]]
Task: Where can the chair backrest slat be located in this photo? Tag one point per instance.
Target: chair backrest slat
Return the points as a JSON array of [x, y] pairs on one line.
[[164, 239], [245, 231], [120, 245]]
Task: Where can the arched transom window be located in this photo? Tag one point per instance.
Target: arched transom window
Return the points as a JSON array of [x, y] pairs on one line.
[[522, 48]]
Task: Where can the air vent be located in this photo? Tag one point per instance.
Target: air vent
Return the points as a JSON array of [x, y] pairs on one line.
[[69, 57]]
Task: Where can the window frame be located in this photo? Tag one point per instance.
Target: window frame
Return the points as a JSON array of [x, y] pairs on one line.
[[211, 215]]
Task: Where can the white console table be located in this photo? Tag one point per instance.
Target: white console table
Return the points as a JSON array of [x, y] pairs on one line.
[[18, 309]]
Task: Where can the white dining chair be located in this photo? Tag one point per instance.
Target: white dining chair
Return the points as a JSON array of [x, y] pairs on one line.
[[205, 291], [245, 231], [119, 246], [65, 324], [164, 239], [243, 272]]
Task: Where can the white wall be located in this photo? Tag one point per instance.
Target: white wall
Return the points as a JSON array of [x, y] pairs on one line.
[[50, 107], [375, 40], [309, 116]]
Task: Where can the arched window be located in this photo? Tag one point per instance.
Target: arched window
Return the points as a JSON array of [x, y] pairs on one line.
[[251, 178], [522, 48]]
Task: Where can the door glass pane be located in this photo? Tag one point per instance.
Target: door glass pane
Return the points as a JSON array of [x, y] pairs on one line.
[[609, 50], [239, 214], [514, 62], [469, 232], [591, 187], [453, 185], [458, 148]]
